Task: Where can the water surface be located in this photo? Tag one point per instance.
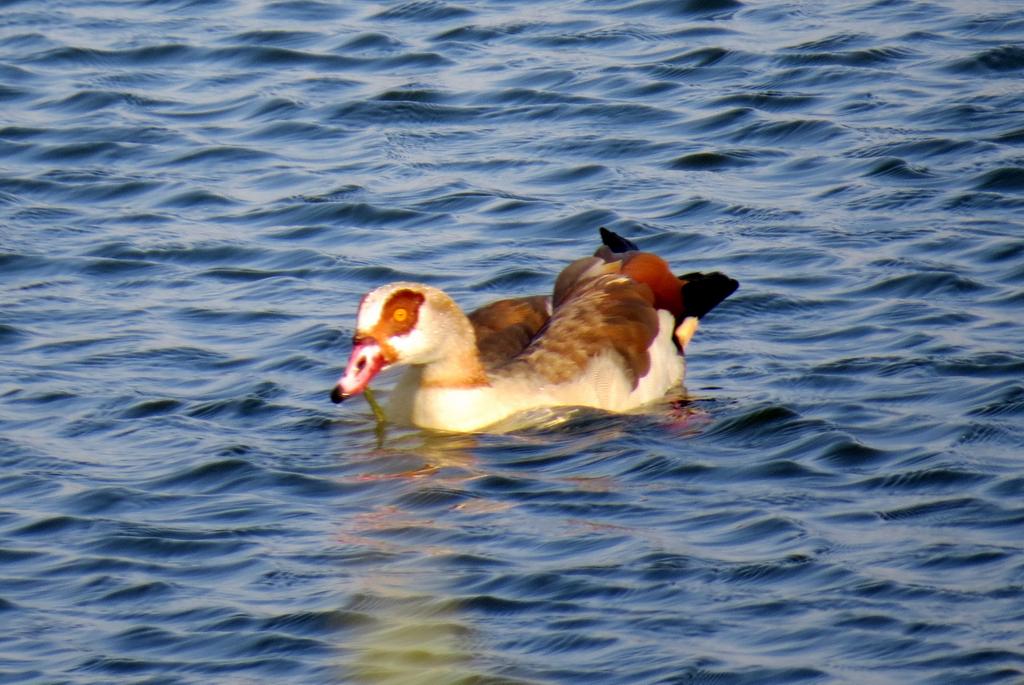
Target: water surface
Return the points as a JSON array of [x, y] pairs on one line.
[[194, 196]]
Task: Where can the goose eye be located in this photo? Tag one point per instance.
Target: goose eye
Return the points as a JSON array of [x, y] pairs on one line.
[[400, 315]]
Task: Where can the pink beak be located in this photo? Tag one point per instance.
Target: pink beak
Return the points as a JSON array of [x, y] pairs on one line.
[[365, 362]]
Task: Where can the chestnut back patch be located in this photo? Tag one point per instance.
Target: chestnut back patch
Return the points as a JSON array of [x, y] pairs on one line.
[[399, 314]]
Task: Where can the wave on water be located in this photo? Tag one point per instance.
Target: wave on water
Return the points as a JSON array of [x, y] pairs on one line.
[[194, 196]]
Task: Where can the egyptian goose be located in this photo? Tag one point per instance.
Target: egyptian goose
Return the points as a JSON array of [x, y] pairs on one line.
[[611, 336]]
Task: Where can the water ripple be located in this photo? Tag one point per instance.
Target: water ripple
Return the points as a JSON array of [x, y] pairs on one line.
[[195, 195]]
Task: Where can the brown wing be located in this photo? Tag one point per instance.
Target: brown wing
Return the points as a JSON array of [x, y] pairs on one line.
[[506, 327], [694, 294], [597, 309]]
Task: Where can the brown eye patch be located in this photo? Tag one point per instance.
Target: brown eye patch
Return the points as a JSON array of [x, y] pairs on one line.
[[400, 314]]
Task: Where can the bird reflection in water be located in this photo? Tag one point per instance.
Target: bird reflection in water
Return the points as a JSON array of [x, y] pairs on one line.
[[415, 630], [420, 625]]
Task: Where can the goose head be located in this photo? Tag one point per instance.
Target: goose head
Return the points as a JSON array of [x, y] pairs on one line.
[[400, 323]]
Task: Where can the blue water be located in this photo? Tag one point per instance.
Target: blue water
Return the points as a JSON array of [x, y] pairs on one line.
[[195, 194]]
